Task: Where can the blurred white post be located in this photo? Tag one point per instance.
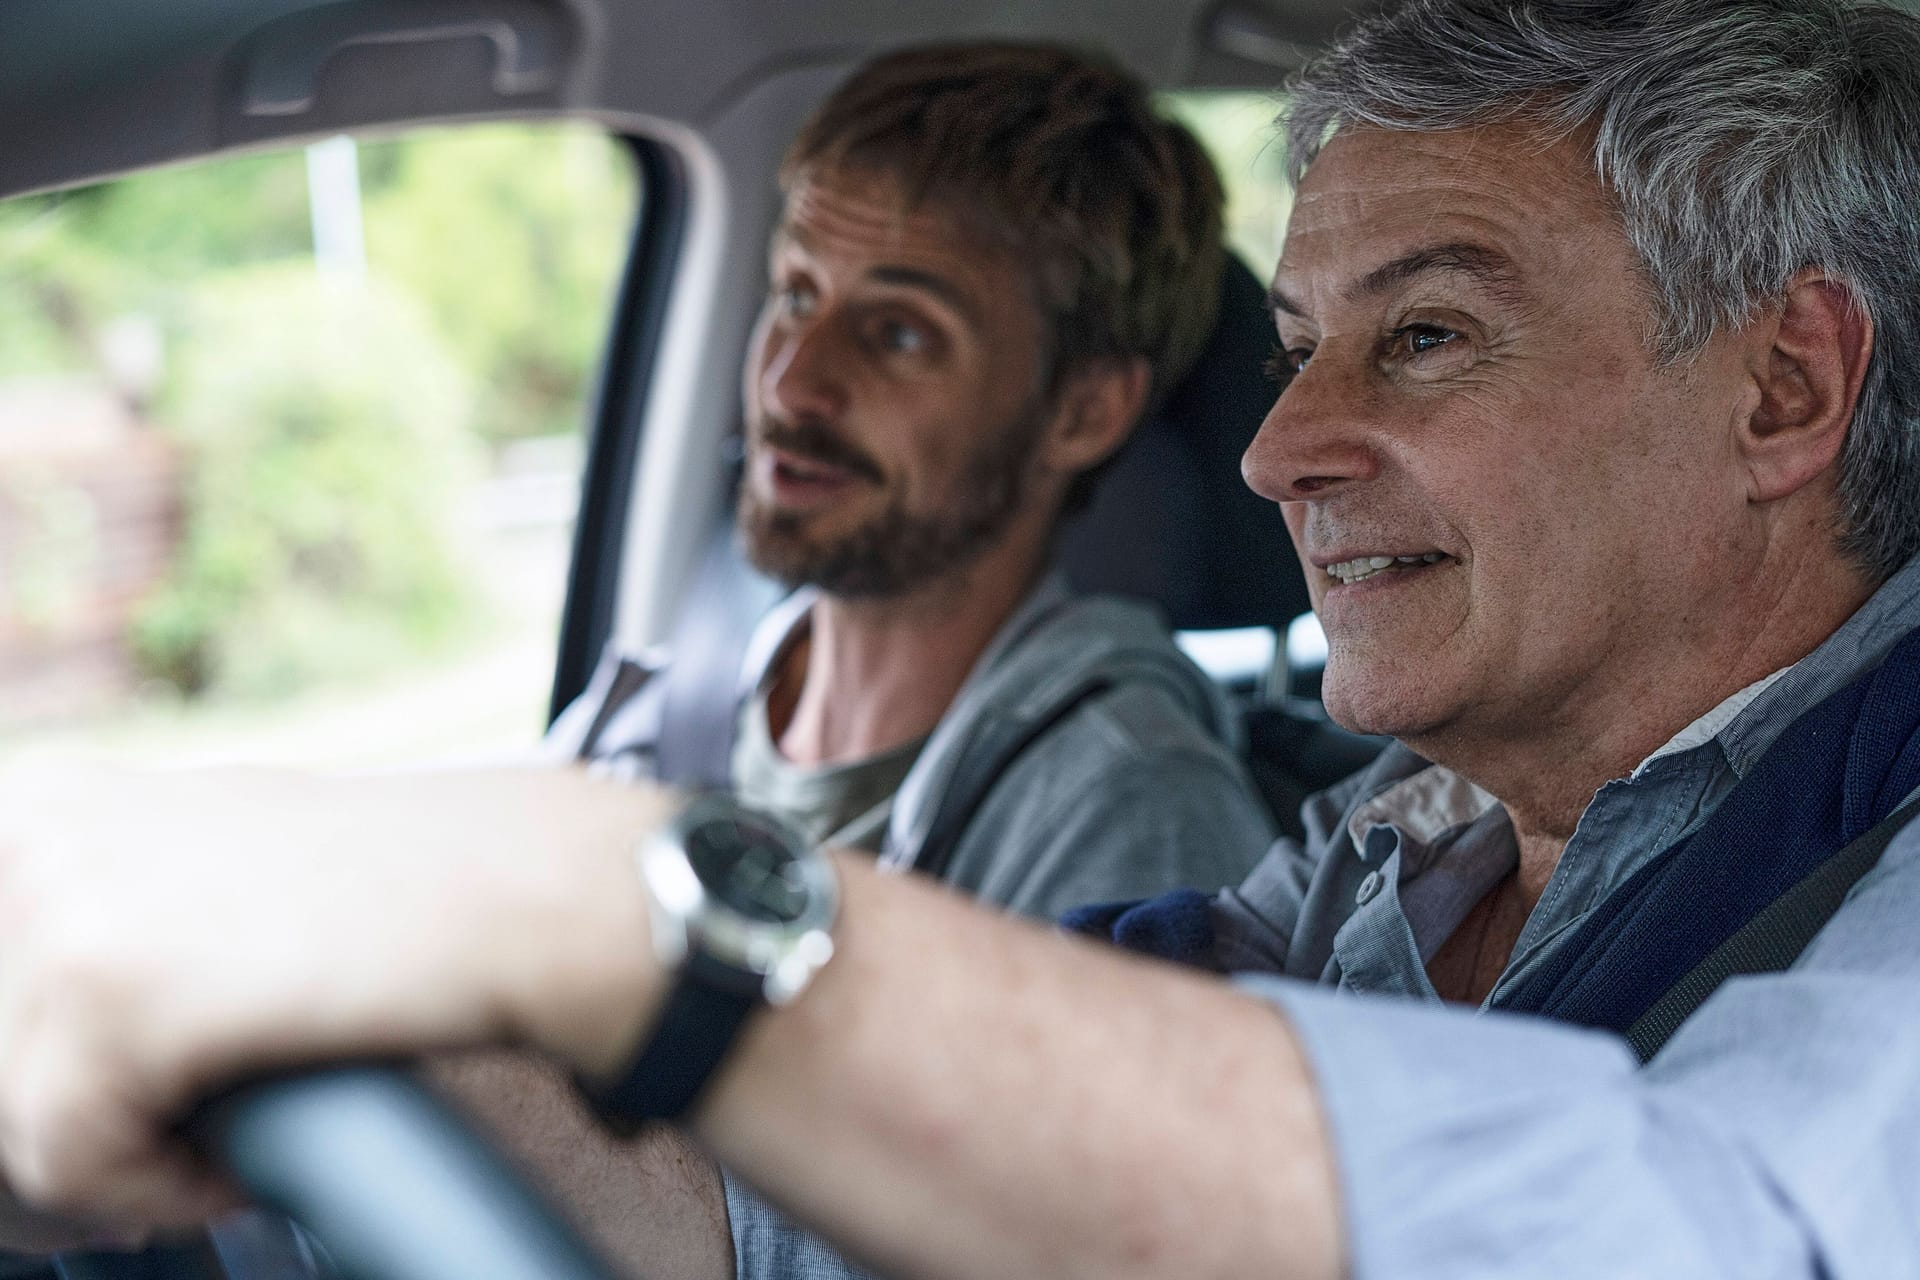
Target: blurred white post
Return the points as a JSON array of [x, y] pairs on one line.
[[333, 194]]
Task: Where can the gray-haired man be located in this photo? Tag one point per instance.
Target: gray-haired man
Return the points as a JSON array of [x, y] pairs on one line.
[[1599, 441]]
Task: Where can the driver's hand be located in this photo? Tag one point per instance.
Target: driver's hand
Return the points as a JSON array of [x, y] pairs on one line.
[[163, 934], [26, 1230]]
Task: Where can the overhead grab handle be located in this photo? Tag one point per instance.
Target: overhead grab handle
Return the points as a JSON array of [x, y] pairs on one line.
[[283, 60], [1253, 34]]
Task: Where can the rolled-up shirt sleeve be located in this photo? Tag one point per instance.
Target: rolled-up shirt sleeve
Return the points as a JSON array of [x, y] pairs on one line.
[[1778, 1135]]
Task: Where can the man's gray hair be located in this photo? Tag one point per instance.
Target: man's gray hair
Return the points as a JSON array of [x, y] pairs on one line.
[[1744, 140]]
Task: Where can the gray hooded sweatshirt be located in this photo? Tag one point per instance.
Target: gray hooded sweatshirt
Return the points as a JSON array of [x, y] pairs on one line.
[[1085, 759]]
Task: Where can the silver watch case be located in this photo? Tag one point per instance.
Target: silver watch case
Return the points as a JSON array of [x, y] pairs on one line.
[[685, 918]]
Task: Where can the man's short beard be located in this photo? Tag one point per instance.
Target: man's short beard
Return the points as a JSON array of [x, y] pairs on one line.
[[899, 551]]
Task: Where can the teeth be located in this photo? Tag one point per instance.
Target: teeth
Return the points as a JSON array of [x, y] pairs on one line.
[[1361, 568]]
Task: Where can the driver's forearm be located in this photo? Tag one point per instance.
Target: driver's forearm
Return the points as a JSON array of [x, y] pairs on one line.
[[961, 1095], [652, 1204]]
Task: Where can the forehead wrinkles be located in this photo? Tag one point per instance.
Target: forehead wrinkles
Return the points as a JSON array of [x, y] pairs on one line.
[[857, 229], [870, 217], [1373, 195]]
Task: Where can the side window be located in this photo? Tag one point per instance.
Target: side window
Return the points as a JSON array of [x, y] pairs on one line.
[[290, 445], [1236, 127]]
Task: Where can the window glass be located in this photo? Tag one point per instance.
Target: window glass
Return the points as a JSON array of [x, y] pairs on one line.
[[290, 445], [1237, 130]]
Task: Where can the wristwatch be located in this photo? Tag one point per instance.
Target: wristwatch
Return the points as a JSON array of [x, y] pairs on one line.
[[740, 907]]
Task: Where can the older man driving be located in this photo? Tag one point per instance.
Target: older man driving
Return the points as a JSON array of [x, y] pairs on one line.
[[1600, 334]]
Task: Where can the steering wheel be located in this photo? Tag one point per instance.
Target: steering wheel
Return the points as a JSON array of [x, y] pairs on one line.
[[383, 1174]]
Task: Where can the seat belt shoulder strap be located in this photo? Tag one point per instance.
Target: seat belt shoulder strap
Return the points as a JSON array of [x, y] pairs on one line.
[[1775, 937]]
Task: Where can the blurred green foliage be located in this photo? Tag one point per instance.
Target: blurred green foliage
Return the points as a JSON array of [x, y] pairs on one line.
[[510, 236], [328, 443], [331, 430], [440, 220], [1237, 129], [140, 246]]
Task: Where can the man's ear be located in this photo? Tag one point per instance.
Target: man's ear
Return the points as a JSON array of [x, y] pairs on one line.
[[1809, 380], [1097, 409]]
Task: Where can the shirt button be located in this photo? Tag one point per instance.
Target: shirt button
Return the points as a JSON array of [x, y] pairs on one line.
[[1369, 889]]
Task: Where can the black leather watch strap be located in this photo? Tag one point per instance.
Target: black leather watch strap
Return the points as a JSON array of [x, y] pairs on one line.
[[697, 1026]]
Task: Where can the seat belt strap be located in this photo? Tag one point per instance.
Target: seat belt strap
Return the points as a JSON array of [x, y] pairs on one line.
[[624, 682], [1775, 937], [999, 746], [700, 703], [981, 769]]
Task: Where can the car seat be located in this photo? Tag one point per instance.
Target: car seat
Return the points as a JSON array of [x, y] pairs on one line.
[[1173, 522]]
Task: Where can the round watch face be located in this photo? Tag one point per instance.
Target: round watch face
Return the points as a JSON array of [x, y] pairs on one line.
[[749, 867]]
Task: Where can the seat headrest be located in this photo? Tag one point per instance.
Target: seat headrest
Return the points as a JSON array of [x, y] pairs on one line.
[[1172, 521]]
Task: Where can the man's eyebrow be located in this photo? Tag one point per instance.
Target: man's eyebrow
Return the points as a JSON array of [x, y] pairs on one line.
[[903, 277], [927, 282], [1488, 267], [1280, 304]]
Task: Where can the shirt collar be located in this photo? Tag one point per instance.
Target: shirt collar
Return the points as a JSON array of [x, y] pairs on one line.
[[1047, 594], [772, 636], [1708, 726], [786, 621], [1856, 646], [1422, 808], [1437, 801]]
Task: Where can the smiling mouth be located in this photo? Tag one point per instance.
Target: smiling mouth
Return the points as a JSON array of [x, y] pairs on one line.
[[808, 471], [1360, 568]]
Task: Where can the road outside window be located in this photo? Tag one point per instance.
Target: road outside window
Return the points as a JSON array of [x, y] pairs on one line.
[[289, 446]]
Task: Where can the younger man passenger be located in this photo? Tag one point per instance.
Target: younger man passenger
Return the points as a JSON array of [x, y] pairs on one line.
[[994, 258]]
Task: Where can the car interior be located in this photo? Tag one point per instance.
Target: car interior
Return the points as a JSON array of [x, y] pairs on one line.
[[706, 97]]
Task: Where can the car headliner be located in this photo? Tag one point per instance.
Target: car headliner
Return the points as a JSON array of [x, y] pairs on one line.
[[89, 90]]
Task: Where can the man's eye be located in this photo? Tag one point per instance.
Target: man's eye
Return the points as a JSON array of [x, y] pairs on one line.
[[902, 339], [1286, 362], [795, 299], [1419, 339]]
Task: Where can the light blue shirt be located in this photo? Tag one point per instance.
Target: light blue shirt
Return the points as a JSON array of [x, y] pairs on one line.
[[1777, 1134]]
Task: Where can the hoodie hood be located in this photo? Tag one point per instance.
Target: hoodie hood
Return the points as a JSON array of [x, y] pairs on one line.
[[1054, 651]]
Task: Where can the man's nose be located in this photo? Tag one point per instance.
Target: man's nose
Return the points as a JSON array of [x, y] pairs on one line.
[[803, 375], [1315, 440]]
